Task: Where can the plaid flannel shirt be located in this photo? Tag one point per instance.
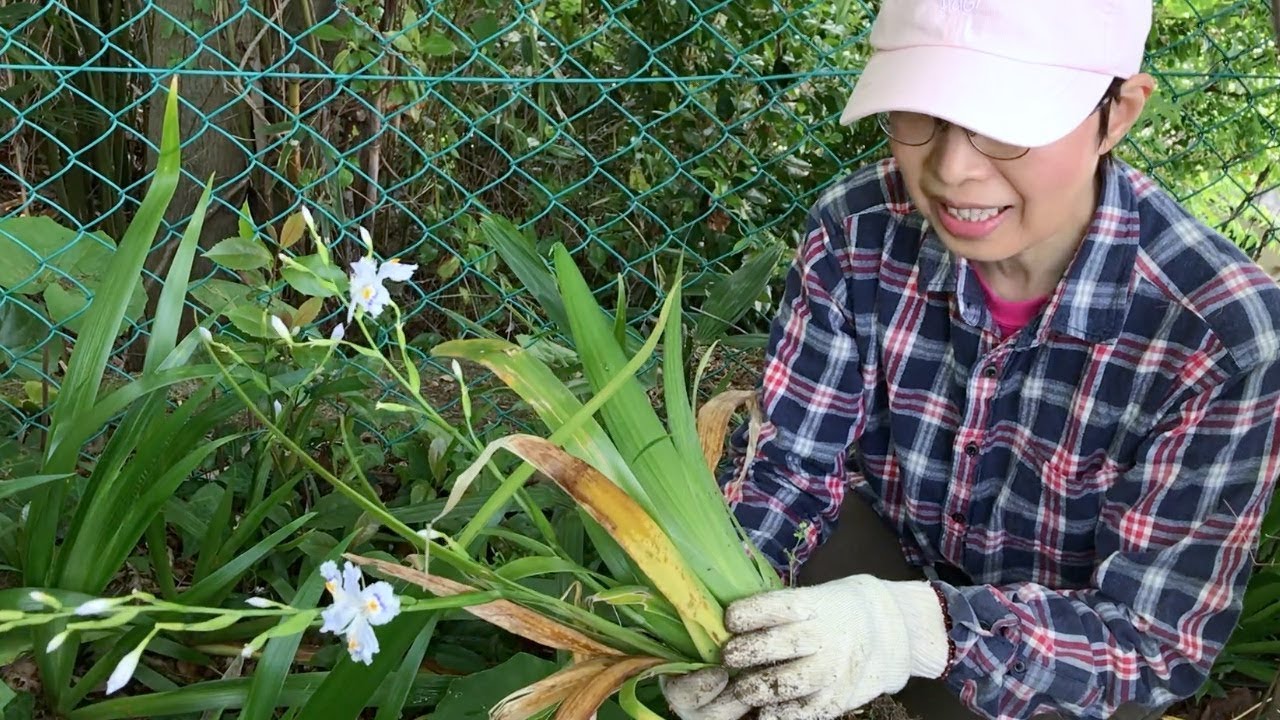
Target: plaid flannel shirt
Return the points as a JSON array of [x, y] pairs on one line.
[[1101, 475]]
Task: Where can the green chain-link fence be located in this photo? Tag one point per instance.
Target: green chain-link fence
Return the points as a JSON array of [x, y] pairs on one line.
[[637, 132]]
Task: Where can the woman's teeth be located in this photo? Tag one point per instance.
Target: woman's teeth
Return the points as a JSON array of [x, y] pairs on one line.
[[973, 214]]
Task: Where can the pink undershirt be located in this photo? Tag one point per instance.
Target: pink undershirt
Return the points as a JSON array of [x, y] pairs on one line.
[[1010, 316]]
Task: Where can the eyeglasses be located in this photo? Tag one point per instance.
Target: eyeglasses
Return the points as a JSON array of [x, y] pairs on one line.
[[916, 129]]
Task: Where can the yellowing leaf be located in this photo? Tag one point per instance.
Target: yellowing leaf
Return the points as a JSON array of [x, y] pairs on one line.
[[308, 312], [635, 532], [505, 614], [292, 230]]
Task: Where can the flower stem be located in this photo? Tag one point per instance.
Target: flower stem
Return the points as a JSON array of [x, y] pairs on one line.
[[351, 493]]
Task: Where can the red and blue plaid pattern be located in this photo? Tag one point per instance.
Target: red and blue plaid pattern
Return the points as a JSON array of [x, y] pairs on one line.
[[1100, 476]]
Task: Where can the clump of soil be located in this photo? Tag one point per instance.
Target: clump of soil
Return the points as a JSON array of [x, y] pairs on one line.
[[886, 708]]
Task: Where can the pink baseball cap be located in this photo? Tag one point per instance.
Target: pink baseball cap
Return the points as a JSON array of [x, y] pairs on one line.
[[1025, 72]]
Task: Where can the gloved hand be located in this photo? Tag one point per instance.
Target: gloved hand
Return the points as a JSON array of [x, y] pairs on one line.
[[815, 653], [702, 695]]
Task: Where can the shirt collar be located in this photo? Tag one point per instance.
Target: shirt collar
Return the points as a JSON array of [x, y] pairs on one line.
[[1091, 300]]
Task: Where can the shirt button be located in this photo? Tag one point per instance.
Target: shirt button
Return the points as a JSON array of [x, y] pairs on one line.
[[1019, 667], [990, 371], [971, 449], [957, 518]]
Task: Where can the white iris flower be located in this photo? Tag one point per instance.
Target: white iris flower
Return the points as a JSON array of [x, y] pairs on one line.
[[367, 290], [356, 610]]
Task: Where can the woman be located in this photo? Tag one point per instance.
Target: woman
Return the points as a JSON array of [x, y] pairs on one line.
[[1056, 390]]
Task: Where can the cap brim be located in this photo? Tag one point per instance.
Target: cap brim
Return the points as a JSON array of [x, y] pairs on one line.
[[1006, 100]]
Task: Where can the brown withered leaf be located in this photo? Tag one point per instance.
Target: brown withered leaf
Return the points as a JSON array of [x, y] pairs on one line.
[[713, 423], [718, 221], [583, 704], [503, 613], [549, 691], [292, 230]]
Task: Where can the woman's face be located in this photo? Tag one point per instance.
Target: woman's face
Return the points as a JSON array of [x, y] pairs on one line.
[[1031, 208]]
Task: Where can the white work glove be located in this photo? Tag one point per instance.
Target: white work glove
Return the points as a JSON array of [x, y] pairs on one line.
[[816, 653], [702, 695]]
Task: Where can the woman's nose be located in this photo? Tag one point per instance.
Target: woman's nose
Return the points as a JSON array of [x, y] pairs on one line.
[[953, 159]]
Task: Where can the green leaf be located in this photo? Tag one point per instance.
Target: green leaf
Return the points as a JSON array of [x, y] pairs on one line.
[[245, 224], [238, 253], [218, 294], [518, 252], [631, 705], [150, 453], [498, 499], [124, 396], [164, 331], [217, 694], [337, 512], [401, 681], [546, 394], [258, 513], [747, 341], [222, 579], [21, 327], [310, 283], [437, 45], [328, 32], [729, 299], [252, 320], [65, 305], [17, 485], [484, 28], [620, 315], [34, 250], [218, 523], [16, 706], [527, 567], [449, 268], [14, 645], [681, 424], [1266, 647], [350, 687], [473, 696], [12, 15], [84, 374], [157, 539], [686, 500]]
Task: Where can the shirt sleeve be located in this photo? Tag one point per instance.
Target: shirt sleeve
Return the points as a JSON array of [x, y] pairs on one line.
[[812, 403], [1174, 544]]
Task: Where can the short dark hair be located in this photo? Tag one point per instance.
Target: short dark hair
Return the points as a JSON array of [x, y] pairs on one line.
[[1104, 110]]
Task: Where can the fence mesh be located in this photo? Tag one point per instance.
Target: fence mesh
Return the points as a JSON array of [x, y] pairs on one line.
[[637, 133]]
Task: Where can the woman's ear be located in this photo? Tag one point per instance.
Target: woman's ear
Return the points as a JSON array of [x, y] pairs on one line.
[[1127, 107]]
